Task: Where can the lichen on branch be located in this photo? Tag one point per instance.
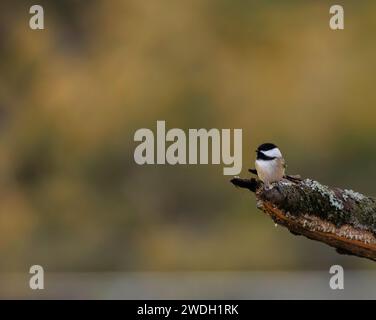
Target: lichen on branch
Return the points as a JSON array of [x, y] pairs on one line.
[[343, 219]]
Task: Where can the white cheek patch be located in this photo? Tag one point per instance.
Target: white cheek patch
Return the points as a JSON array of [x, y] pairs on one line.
[[273, 153]]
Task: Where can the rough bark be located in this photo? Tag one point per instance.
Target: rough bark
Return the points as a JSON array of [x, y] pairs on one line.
[[343, 219]]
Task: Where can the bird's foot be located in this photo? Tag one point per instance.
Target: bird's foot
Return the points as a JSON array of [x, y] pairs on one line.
[[268, 186]]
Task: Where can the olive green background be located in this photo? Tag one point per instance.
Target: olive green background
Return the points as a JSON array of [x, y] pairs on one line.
[[71, 97]]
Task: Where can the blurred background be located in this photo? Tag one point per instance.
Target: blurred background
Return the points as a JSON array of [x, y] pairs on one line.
[[71, 97]]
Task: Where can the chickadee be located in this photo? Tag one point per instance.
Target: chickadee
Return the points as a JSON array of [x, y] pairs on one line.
[[270, 164]]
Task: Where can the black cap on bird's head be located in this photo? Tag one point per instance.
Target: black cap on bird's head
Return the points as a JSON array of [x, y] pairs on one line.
[[266, 147], [263, 154]]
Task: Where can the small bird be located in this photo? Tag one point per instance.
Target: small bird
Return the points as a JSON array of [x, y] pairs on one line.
[[270, 164]]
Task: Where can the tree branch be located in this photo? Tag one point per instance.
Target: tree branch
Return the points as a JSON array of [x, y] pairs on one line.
[[343, 219]]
